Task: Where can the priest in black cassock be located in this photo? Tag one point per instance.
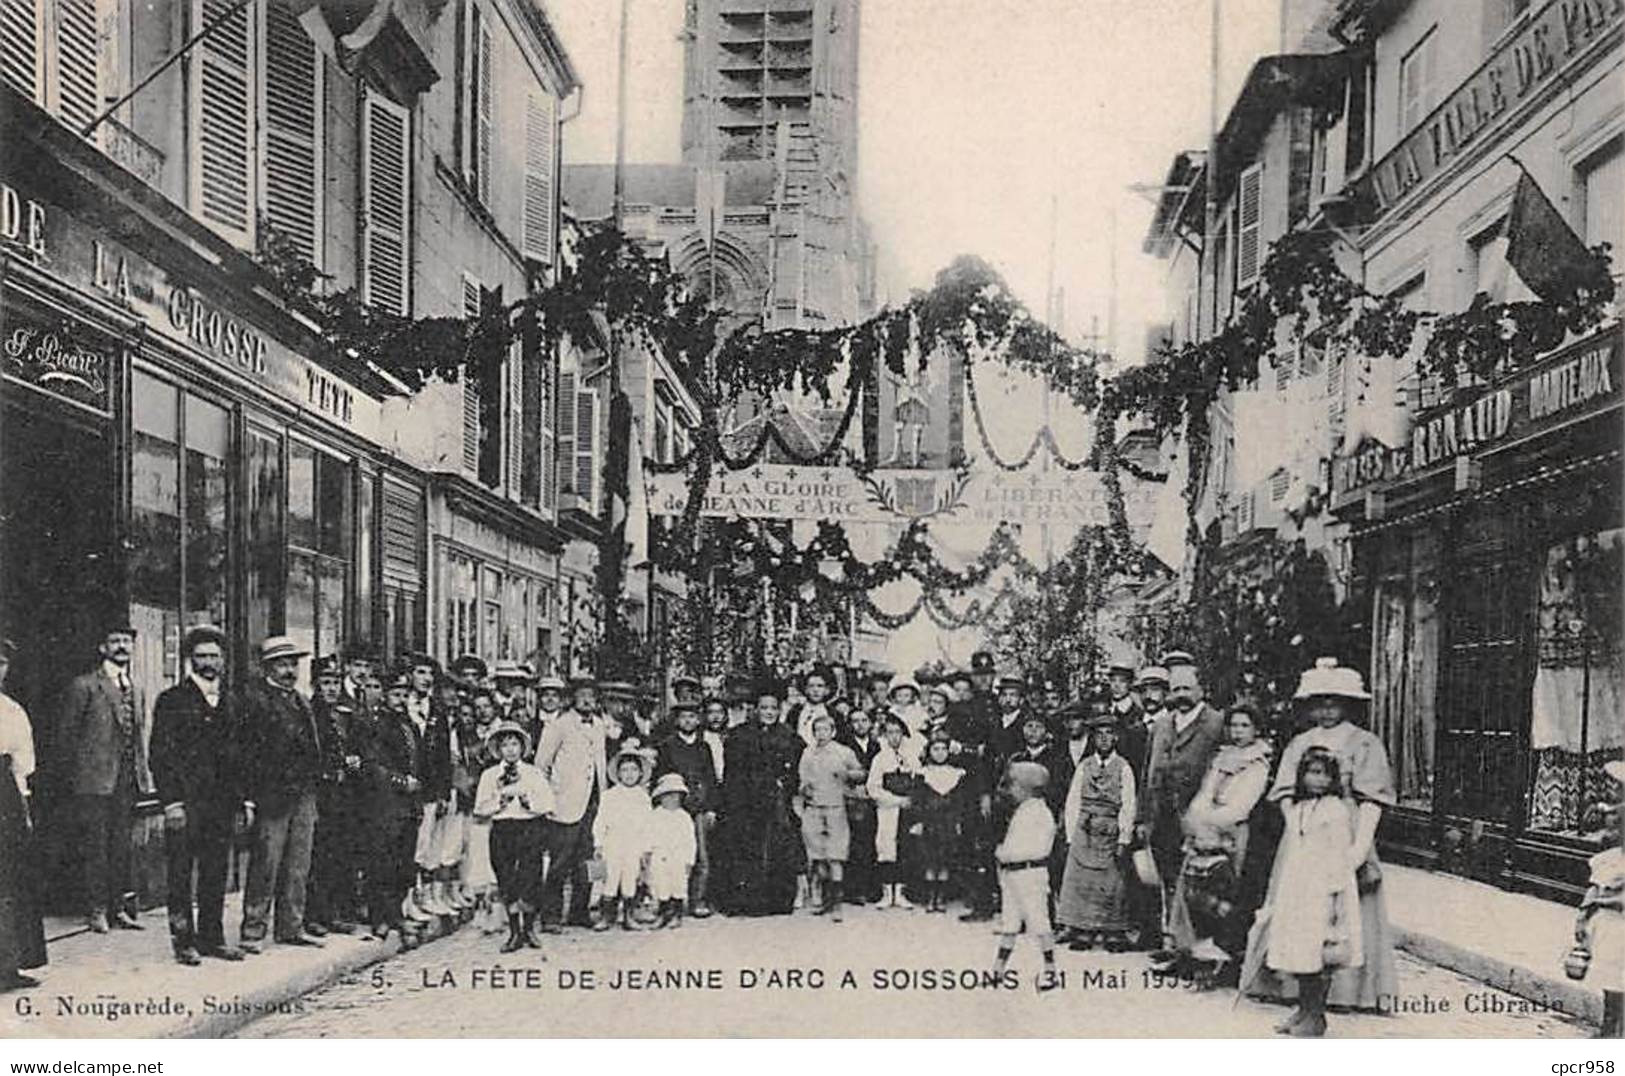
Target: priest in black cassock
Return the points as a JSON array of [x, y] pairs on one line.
[[763, 837]]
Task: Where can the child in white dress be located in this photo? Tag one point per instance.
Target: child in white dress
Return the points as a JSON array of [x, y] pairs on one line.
[[671, 849], [620, 834], [1314, 917], [891, 777]]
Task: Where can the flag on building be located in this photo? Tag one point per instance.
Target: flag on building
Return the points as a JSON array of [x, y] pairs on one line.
[[1544, 251]]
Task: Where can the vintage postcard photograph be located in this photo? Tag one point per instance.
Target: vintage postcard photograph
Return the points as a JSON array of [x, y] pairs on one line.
[[815, 519]]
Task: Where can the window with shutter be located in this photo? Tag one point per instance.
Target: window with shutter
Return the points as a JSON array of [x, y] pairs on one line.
[[222, 172], [516, 416], [540, 129], [292, 131], [20, 47], [483, 76], [386, 188], [1283, 370], [1279, 481], [566, 452], [1336, 396], [586, 475], [472, 302], [1248, 217], [78, 79]]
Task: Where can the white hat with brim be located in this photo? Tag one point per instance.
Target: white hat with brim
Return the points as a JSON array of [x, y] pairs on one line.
[[277, 647], [1153, 674], [507, 728], [511, 670], [550, 683], [671, 782], [1328, 678], [900, 685]]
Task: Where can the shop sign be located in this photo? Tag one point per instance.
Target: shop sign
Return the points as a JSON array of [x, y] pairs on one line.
[[1579, 379], [59, 361], [838, 494], [181, 312], [1524, 64]]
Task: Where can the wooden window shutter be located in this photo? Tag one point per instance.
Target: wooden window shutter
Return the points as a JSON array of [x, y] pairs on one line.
[[472, 304], [1336, 393], [1250, 213], [223, 102], [540, 131], [586, 443], [482, 122], [566, 452], [78, 62], [292, 154], [20, 47], [386, 188], [1283, 370], [516, 416]]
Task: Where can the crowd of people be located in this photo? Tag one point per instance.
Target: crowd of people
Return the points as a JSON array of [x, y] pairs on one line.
[[1237, 846]]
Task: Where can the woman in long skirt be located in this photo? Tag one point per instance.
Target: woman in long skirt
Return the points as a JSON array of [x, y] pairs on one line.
[[22, 932], [1332, 696], [1099, 819]]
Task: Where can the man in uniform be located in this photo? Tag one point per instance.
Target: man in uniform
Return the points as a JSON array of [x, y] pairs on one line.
[[331, 899], [360, 668]]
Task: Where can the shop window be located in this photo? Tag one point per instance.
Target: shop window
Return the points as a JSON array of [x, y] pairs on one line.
[[491, 614], [320, 518], [366, 559], [401, 540], [462, 603], [1405, 662], [155, 530], [1575, 727], [264, 597], [208, 437]]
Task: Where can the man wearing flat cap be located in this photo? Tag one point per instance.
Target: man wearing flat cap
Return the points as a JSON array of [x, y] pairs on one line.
[[197, 767], [285, 763], [331, 901], [100, 728]]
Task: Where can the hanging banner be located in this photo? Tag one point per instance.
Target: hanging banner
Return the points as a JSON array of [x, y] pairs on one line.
[[785, 491]]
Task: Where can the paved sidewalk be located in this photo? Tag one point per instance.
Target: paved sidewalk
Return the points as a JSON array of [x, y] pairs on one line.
[[1510, 940], [126, 984]]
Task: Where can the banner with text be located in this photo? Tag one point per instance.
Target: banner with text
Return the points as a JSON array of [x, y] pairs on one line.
[[784, 491]]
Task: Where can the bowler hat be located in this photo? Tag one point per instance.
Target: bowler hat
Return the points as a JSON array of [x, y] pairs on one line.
[[399, 678], [981, 662], [418, 659], [1106, 720], [1120, 668], [202, 633], [581, 681], [685, 681], [1011, 680], [671, 782], [277, 647], [329, 667], [361, 652]]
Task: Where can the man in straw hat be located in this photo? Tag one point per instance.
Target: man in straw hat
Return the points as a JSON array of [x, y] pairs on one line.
[[1023, 857], [100, 727], [197, 758], [1183, 742], [516, 799], [286, 760], [571, 757]]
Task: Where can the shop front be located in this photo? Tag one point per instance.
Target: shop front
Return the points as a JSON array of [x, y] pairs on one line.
[[497, 577], [1490, 555], [170, 456]]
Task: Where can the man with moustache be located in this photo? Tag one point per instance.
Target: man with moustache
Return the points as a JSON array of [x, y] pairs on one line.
[[1183, 742], [393, 767], [571, 758], [100, 725], [196, 757], [330, 901], [285, 763], [359, 670]]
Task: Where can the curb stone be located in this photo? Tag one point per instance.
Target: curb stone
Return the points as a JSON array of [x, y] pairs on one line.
[[1568, 998]]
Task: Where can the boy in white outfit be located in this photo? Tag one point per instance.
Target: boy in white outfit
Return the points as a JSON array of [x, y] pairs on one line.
[[1023, 857], [672, 849], [620, 834]]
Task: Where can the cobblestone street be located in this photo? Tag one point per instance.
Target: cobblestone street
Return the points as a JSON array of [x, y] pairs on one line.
[[898, 960]]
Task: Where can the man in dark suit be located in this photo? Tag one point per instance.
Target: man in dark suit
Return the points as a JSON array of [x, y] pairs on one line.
[[285, 763], [100, 728], [1183, 743], [862, 879], [196, 766]]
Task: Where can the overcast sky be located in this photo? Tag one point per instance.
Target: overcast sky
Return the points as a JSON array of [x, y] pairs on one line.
[[973, 115]]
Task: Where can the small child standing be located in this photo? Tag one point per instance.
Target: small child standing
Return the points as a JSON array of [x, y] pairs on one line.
[[672, 849], [892, 777], [514, 797], [1600, 929], [1023, 858], [827, 770], [620, 833], [1314, 916], [938, 807]]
